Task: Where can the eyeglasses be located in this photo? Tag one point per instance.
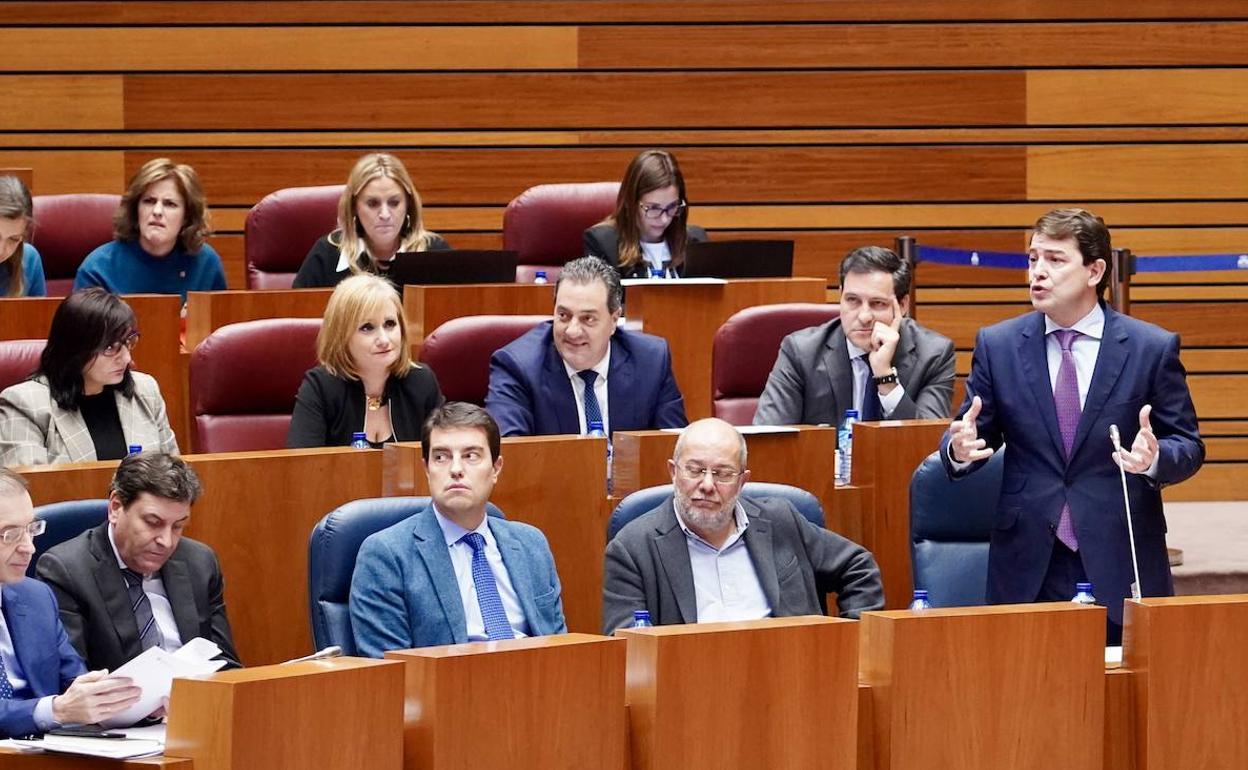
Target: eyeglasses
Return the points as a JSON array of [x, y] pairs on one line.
[[718, 475], [14, 534], [655, 211], [113, 350]]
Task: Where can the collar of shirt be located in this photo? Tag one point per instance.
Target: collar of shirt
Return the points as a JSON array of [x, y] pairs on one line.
[[739, 519], [855, 352], [117, 554], [602, 367], [1091, 325], [343, 263], [453, 533]]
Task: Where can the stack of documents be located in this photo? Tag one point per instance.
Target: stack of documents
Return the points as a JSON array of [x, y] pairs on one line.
[[154, 672], [139, 742]]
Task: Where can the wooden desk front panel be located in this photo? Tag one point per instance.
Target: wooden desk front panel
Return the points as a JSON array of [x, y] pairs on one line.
[[207, 311], [688, 315], [257, 512], [967, 687], [778, 692], [12, 759], [1191, 698], [428, 307], [556, 483], [159, 319]]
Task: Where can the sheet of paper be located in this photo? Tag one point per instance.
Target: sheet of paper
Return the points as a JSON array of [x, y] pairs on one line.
[[685, 281], [153, 672], [110, 748]]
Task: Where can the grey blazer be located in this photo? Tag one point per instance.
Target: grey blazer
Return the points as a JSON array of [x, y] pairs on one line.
[[35, 431], [797, 562], [812, 381]]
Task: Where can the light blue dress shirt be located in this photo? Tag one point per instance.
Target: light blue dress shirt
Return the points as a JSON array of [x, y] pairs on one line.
[[461, 560], [724, 579]]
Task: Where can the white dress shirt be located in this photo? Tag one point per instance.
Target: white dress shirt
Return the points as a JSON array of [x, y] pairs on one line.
[[600, 392], [461, 560], [862, 370], [17, 676], [1085, 348], [162, 610], [657, 256], [724, 579]]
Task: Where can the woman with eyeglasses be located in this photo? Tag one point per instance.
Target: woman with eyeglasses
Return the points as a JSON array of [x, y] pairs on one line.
[[379, 215], [84, 402], [650, 227]]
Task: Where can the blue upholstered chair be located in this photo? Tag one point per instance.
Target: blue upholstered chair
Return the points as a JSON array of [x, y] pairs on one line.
[[66, 521], [644, 500], [950, 526], [332, 549]]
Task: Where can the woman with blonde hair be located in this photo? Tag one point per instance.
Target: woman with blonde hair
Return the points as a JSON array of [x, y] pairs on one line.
[[650, 228], [160, 230], [366, 381], [379, 215], [21, 268]]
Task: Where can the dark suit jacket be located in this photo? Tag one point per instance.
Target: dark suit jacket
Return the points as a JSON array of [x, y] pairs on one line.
[[530, 394], [320, 267], [797, 563], [95, 603], [1138, 364], [39, 641], [329, 409], [812, 381], [603, 241]]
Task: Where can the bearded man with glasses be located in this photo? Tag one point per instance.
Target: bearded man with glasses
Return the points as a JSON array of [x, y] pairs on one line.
[[706, 554]]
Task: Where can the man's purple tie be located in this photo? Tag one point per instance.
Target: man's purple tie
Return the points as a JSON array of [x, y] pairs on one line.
[[1066, 398]]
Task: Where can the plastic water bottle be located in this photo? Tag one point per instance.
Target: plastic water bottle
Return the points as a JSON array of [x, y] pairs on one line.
[[920, 601], [134, 449], [1083, 594], [641, 619], [359, 440], [845, 443], [540, 277], [656, 272], [595, 429]]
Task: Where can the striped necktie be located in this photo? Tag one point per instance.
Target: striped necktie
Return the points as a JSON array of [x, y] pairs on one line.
[[149, 632]]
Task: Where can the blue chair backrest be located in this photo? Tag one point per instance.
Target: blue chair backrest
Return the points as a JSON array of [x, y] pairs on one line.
[[332, 548], [950, 526], [66, 521], [645, 500]]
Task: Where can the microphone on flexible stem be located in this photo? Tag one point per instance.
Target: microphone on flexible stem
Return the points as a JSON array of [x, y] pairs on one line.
[[1135, 564]]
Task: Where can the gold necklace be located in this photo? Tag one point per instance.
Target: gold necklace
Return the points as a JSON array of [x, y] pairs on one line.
[[374, 402]]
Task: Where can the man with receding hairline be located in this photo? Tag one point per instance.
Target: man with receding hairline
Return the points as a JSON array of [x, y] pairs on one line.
[[707, 554]]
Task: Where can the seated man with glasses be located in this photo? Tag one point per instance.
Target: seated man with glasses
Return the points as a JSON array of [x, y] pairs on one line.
[[706, 554], [43, 683], [134, 582]]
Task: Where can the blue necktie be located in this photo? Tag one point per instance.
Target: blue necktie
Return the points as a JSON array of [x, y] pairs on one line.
[[492, 612], [872, 410], [592, 412], [149, 632], [6, 687]]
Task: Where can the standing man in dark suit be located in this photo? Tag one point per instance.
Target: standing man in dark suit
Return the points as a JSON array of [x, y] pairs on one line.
[[134, 581], [43, 684], [872, 358], [579, 368], [705, 554], [1049, 384]]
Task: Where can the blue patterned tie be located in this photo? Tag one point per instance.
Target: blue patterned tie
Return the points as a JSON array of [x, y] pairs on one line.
[[872, 410], [492, 612], [149, 632], [592, 412], [1066, 399], [6, 687]]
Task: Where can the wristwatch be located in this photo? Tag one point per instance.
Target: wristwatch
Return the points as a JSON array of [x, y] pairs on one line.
[[886, 379]]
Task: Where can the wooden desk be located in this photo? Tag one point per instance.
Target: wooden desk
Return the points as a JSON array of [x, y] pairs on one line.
[[1191, 702], [11, 759], [688, 314], [159, 318], [321, 714], [886, 455], [207, 311], [984, 688], [556, 483], [257, 512], [533, 704], [428, 307], [778, 692]]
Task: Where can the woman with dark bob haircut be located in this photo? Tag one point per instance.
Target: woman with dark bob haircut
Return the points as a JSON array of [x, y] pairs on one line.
[[84, 402], [650, 228]]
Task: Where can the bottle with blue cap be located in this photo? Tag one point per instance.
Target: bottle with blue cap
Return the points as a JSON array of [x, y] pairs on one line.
[[641, 619], [540, 277], [359, 440], [134, 449], [845, 445], [920, 601], [1083, 594], [594, 428]]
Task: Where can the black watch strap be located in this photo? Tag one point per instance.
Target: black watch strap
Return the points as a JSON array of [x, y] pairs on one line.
[[886, 379]]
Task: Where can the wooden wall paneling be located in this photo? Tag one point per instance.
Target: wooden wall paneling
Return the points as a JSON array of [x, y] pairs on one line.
[[1214, 481], [1142, 96], [1198, 171], [1200, 324], [70, 172], [460, 100], [1060, 44], [89, 102]]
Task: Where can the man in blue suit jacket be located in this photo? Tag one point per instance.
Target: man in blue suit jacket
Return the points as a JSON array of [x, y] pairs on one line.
[[43, 682], [538, 383], [1050, 395], [449, 574]]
